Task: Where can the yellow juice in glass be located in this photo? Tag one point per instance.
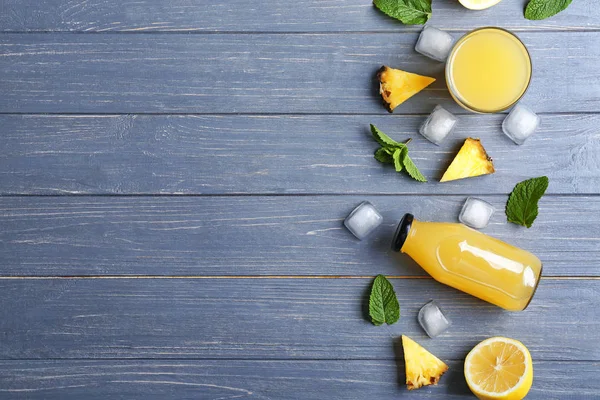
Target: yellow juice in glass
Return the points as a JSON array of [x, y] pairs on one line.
[[488, 70], [471, 261]]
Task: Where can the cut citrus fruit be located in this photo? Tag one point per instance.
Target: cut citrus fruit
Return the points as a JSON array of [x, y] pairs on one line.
[[478, 4], [422, 367], [499, 368], [397, 86], [471, 160]]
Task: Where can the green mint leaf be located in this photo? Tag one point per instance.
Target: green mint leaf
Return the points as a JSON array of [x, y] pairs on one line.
[[398, 160], [396, 153], [412, 169], [522, 205], [542, 9], [410, 12], [403, 154], [383, 139], [383, 156], [383, 304]]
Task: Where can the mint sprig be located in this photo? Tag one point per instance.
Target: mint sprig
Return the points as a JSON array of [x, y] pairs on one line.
[[522, 205], [409, 12], [392, 152], [383, 304], [542, 9]]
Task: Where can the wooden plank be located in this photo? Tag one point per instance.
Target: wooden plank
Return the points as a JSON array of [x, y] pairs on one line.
[[261, 235], [302, 380], [289, 154], [310, 73], [264, 16], [275, 319]]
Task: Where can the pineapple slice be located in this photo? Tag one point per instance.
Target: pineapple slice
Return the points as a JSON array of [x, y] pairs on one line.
[[471, 160], [422, 367], [397, 86]]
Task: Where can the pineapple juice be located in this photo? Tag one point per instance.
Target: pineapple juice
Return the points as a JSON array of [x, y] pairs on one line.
[[471, 261], [488, 70]]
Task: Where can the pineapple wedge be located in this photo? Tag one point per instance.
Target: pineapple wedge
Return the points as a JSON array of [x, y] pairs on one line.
[[422, 367], [471, 160], [397, 86]]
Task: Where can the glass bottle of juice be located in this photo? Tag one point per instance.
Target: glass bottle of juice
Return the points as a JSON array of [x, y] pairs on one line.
[[471, 261]]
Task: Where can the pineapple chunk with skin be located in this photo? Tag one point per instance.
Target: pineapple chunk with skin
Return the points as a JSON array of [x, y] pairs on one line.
[[471, 160], [397, 86], [422, 367]]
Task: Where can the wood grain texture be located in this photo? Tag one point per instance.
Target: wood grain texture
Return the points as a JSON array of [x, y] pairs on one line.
[[231, 294], [261, 235], [276, 319], [265, 16], [308, 73], [287, 154], [289, 380]]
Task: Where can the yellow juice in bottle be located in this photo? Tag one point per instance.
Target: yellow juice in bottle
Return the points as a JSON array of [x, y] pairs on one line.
[[471, 261], [488, 70]]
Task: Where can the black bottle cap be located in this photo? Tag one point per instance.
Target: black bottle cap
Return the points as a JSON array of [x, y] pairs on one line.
[[402, 232]]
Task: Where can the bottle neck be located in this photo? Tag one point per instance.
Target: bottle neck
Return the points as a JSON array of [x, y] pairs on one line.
[[402, 232], [411, 244]]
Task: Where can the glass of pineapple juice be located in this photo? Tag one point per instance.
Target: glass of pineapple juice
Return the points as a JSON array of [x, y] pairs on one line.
[[488, 70]]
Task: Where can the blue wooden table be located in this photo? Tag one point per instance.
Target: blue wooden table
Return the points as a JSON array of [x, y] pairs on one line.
[[174, 176]]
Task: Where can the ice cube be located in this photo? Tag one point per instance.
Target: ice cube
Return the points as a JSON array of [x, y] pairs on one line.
[[432, 319], [438, 125], [520, 123], [434, 43], [476, 213], [363, 220]]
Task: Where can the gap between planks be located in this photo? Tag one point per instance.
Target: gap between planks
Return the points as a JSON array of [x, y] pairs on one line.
[[216, 277], [260, 114], [268, 194], [199, 31], [265, 360], [260, 359]]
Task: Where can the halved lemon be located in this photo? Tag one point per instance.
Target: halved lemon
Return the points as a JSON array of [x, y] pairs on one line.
[[478, 4], [499, 368]]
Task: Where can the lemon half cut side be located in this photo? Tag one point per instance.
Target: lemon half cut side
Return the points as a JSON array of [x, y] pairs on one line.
[[499, 368], [478, 4]]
